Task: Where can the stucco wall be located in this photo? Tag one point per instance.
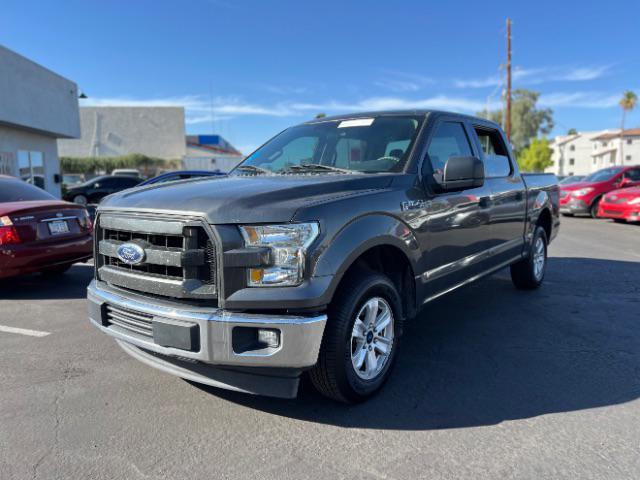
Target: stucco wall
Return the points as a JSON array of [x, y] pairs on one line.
[[35, 98], [115, 131], [12, 140]]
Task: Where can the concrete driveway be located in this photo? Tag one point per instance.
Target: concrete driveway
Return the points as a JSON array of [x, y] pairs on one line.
[[490, 383]]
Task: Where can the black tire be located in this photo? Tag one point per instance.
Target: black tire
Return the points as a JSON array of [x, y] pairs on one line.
[[524, 274], [57, 270], [334, 375], [593, 210]]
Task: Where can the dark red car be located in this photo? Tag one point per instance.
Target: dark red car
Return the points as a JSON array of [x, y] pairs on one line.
[[584, 197], [39, 233], [622, 205]]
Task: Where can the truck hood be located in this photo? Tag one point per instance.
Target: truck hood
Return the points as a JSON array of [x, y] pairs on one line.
[[245, 199]]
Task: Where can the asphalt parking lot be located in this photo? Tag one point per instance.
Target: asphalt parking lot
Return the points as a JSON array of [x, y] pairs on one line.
[[490, 383]]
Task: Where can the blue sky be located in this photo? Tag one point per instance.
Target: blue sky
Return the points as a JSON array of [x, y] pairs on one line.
[[261, 66]]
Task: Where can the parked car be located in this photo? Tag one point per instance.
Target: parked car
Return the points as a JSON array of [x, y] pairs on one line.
[[570, 179], [72, 179], [180, 175], [312, 254], [128, 172], [621, 205], [584, 197], [39, 233], [97, 188]]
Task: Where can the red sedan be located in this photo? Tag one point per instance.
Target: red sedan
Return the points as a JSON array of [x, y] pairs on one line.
[[621, 205], [39, 233], [584, 197]]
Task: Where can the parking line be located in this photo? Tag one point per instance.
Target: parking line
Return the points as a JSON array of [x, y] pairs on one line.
[[24, 331]]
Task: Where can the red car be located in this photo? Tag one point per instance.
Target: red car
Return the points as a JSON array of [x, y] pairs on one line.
[[584, 197], [621, 205], [39, 233]]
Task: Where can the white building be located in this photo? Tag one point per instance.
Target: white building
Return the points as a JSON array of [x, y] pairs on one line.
[[116, 131], [608, 149], [586, 152], [210, 152], [37, 106], [572, 154]]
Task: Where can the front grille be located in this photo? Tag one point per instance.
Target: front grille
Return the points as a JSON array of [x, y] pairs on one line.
[[179, 257], [133, 322], [613, 212], [616, 200]]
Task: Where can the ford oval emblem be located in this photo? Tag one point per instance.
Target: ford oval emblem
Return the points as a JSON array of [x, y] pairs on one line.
[[130, 253]]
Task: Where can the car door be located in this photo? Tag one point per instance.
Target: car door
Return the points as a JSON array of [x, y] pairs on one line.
[[99, 189], [455, 232], [508, 199]]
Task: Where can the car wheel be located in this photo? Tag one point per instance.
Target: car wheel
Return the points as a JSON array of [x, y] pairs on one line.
[[80, 200], [529, 272], [593, 211], [57, 270], [361, 339]]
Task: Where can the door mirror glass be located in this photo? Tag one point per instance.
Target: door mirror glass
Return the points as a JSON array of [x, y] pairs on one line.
[[462, 172]]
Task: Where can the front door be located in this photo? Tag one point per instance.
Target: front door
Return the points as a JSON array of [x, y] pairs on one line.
[[456, 233]]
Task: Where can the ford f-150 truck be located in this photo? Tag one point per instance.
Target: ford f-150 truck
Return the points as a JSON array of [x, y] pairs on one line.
[[312, 254]]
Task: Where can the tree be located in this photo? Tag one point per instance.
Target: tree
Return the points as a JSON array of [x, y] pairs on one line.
[[627, 102], [572, 131], [527, 120], [321, 115], [536, 157]]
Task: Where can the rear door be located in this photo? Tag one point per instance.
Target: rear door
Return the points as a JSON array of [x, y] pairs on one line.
[[508, 199]]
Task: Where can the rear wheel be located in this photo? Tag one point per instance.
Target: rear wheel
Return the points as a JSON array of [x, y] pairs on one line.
[[529, 272], [361, 339]]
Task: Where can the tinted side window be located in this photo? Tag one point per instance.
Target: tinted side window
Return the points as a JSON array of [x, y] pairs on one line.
[[450, 140], [494, 153], [633, 175]]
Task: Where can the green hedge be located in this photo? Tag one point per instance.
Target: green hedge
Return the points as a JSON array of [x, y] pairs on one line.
[[90, 165]]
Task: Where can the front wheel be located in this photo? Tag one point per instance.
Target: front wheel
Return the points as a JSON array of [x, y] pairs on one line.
[[80, 200], [361, 339], [593, 211], [529, 272]]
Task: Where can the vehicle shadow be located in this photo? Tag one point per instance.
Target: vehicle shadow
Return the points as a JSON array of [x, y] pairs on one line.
[[73, 284], [489, 353]]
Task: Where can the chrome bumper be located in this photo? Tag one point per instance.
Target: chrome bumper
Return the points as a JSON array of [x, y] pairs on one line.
[[300, 337]]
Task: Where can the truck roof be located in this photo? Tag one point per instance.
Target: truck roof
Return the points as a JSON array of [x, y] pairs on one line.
[[416, 112]]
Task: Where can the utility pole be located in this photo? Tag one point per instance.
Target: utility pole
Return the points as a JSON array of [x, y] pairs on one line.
[[507, 121]]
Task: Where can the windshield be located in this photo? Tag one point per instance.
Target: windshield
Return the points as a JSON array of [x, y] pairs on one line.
[[369, 145], [603, 175], [18, 191]]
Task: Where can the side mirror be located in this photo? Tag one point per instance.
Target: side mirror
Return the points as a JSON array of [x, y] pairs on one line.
[[462, 172], [96, 185], [625, 182]]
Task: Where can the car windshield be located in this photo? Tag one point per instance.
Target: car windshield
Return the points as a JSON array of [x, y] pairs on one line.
[[18, 191], [368, 145], [603, 175]]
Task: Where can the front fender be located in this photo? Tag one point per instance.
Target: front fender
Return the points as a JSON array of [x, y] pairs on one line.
[[360, 235]]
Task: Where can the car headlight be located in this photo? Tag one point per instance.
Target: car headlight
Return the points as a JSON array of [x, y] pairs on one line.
[[582, 192], [634, 201], [288, 244]]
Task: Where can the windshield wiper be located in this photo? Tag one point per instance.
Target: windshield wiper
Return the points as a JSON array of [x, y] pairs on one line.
[[254, 169], [316, 167]]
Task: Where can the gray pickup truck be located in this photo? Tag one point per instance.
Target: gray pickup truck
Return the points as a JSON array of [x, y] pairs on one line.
[[311, 254]]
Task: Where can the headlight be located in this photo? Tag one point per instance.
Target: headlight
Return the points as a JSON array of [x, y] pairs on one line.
[[582, 192], [634, 201], [288, 244]]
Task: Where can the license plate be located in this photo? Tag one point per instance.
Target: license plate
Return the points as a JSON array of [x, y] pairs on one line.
[[58, 227]]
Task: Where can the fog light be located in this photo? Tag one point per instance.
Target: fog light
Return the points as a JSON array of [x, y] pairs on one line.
[[269, 338]]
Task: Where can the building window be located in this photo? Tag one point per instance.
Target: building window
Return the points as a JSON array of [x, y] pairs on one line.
[[572, 161], [572, 148], [627, 158], [629, 141], [595, 160], [604, 144], [31, 167]]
